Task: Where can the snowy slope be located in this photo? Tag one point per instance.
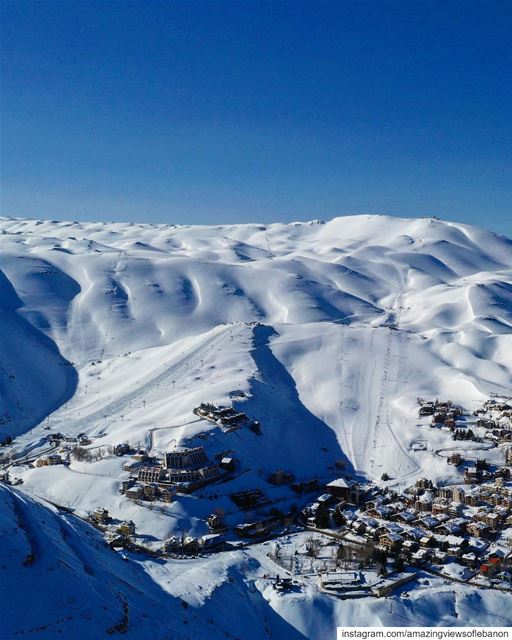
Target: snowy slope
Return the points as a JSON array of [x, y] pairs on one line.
[[325, 332], [167, 309]]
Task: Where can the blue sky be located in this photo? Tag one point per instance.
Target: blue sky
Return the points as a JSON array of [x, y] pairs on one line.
[[210, 112]]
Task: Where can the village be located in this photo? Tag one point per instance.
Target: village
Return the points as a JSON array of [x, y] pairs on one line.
[[352, 537]]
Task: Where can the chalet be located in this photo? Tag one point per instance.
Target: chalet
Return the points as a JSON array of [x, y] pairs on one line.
[[49, 460], [126, 528], [455, 509], [126, 484], [359, 527], [406, 517], [424, 502], [440, 505], [455, 544], [471, 475], [100, 516], [421, 556], [440, 557], [471, 500], [424, 483], [427, 522], [212, 542], [150, 491], [448, 529], [469, 560], [498, 556], [383, 512], [493, 520], [216, 523], [190, 545], [478, 530], [121, 449], [172, 545], [455, 459], [135, 492], [409, 546], [115, 540], [167, 494], [391, 541], [344, 489], [427, 541], [413, 533]]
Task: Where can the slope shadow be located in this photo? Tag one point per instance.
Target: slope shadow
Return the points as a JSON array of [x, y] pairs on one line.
[[293, 437], [16, 332]]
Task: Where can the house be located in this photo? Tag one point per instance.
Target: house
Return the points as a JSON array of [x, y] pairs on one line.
[[469, 560], [216, 523], [427, 521], [478, 530], [440, 557], [167, 494], [406, 517], [134, 493], [150, 491], [455, 509], [448, 529], [121, 449], [344, 489], [100, 516], [421, 556], [49, 460], [391, 541], [455, 459], [493, 520], [211, 542], [440, 505], [126, 528], [471, 500], [427, 542], [424, 502], [409, 546]]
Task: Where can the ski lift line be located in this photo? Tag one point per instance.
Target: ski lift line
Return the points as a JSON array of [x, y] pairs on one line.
[[117, 406]]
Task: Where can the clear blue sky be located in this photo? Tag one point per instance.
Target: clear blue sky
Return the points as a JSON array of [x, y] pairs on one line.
[[208, 112]]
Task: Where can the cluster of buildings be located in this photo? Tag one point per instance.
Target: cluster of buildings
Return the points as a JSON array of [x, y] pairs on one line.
[[117, 534], [227, 418], [182, 469], [50, 460], [442, 412], [437, 525]]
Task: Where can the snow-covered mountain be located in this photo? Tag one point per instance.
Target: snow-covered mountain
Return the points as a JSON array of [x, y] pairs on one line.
[[324, 332]]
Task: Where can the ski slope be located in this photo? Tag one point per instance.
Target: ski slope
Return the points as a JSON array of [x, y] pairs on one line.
[[324, 332]]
